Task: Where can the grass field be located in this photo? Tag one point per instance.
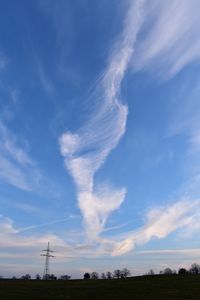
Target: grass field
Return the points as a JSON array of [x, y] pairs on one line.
[[135, 288]]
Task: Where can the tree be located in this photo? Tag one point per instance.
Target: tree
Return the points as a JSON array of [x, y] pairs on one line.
[[195, 269], [86, 276], [125, 273], [65, 277], [167, 271], [37, 277], [103, 276], [26, 277], [94, 275], [108, 275], [182, 271], [52, 277], [117, 274], [151, 272]]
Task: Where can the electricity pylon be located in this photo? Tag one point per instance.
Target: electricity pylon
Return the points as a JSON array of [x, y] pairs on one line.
[[47, 258]]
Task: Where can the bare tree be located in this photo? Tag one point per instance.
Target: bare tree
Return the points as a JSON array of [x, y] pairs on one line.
[[167, 271], [52, 277], [94, 275], [103, 276], [125, 273], [26, 277], [151, 272], [64, 277], [117, 274], [195, 269], [108, 275]]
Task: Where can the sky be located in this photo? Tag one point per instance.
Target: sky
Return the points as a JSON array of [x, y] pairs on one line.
[[99, 135]]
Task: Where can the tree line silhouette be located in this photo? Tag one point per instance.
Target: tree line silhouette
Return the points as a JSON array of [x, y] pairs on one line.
[[116, 274], [108, 275], [124, 273]]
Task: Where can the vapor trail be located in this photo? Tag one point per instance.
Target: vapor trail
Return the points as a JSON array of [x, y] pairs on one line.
[[85, 151]]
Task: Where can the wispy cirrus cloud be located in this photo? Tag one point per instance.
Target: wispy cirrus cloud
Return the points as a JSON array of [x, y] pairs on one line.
[[85, 151], [11, 236], [13, 174], [185, 117], [184, 126], [17, 168], [45, 81], [168, 45], [8, 146], [170, 40], [14, 93], [3, 61]]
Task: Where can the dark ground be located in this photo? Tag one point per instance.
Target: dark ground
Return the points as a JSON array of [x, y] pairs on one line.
[[158, 287]]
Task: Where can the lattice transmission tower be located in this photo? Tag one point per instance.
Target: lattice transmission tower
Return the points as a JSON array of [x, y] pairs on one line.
[[47, 255]]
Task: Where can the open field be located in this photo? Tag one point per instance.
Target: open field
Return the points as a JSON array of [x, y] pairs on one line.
[[136, 288]]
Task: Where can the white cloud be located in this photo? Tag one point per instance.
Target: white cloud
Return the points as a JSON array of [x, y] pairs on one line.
[[12, 174], [44, 80], [69, 143], [170, 39], [195, 141], [86, 150], [23, 250], [187, 252], [3, 61], [9, 147], [17, 168], [96, 208], [184, 127], [43, 224], [14, 95], [28, 208], [7, 225], [161, 222], [10, 236]]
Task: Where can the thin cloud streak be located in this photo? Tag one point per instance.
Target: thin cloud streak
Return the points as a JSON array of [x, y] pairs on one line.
[[44, 224], [13, 175], [172, 40], [17, 168], [3, 61], [9, 147], [187, 252], [11, 237], [85, 151]]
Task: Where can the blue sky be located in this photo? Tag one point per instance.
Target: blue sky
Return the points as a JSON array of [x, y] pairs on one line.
[[99, 135]]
